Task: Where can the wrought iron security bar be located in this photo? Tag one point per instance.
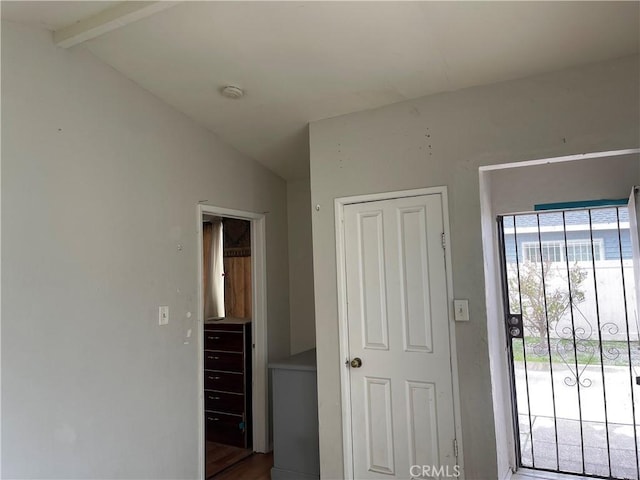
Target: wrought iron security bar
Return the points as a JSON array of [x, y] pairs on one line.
[[572, 331]]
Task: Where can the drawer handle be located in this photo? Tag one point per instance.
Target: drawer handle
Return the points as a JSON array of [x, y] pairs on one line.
[[211, 357], [213, 338], [213, 378], [212, 419], [213, 398]]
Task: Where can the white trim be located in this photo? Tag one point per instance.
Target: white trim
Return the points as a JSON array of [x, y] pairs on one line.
[[499, 364], [343, 326], [260, 391], [452, 331], [199, 347], [343, 330], [567, 158], [0, 316], [106, 21], [260, 400]]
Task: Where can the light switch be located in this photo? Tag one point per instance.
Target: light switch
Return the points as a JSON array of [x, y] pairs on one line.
[[461, 310], [163, 315]]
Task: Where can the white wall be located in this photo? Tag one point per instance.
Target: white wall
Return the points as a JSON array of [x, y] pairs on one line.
[[443, 140], [302, 310], [520, 189], [496, 337], [100, 184]]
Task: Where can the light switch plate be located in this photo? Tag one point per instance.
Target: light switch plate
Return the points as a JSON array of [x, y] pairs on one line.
[[163, 315], [461, 310]]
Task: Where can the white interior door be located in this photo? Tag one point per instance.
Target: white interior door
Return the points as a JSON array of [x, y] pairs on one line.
[[402, 407]]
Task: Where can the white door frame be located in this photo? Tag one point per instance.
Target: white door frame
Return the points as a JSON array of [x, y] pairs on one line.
[[260, 402], [345, 384]]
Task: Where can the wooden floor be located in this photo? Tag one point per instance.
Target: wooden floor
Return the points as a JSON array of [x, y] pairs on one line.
[[256, 467], [219, 457]]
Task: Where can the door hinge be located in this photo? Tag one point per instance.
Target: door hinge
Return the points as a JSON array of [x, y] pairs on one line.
[[455, 447], [444, 241]]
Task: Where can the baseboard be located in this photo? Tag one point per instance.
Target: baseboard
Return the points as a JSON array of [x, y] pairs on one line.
[[280, 474]]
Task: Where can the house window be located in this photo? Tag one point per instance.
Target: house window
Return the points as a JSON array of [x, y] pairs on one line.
[[581, 251], [551, 251], [554, 251]]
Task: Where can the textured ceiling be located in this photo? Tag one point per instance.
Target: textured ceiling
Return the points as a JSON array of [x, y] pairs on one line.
[[300, 62]]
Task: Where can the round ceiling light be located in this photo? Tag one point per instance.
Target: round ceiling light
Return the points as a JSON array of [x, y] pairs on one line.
[[231, 91]]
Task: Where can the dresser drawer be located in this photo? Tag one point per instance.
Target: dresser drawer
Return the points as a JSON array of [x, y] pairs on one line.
[[223, 420], [224, 402], [225, 381], [229, 362], [227, 429], [223, 341]]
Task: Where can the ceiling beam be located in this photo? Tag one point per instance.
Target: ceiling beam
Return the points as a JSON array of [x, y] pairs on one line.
[[106, 21]]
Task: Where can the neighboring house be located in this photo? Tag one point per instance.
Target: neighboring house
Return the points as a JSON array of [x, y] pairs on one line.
[[600, 242], [609, 238]]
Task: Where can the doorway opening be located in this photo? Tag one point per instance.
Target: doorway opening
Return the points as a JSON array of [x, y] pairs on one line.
[[232, 313], [519, 187], [569, 301]]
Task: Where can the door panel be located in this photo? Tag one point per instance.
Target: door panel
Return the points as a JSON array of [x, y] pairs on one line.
[[414, 285], [397, 307], [379, 424], [422, 421], [373, 299]]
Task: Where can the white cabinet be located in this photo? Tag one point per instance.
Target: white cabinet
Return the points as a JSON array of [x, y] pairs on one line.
[[295, 418]]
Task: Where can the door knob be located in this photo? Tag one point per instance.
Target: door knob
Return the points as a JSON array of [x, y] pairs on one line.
[[356, 363]]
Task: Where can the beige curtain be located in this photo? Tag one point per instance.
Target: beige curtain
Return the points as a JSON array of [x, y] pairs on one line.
[[213, 272]]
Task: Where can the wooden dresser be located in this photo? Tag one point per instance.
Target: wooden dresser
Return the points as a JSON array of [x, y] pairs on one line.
[[227, 382]]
